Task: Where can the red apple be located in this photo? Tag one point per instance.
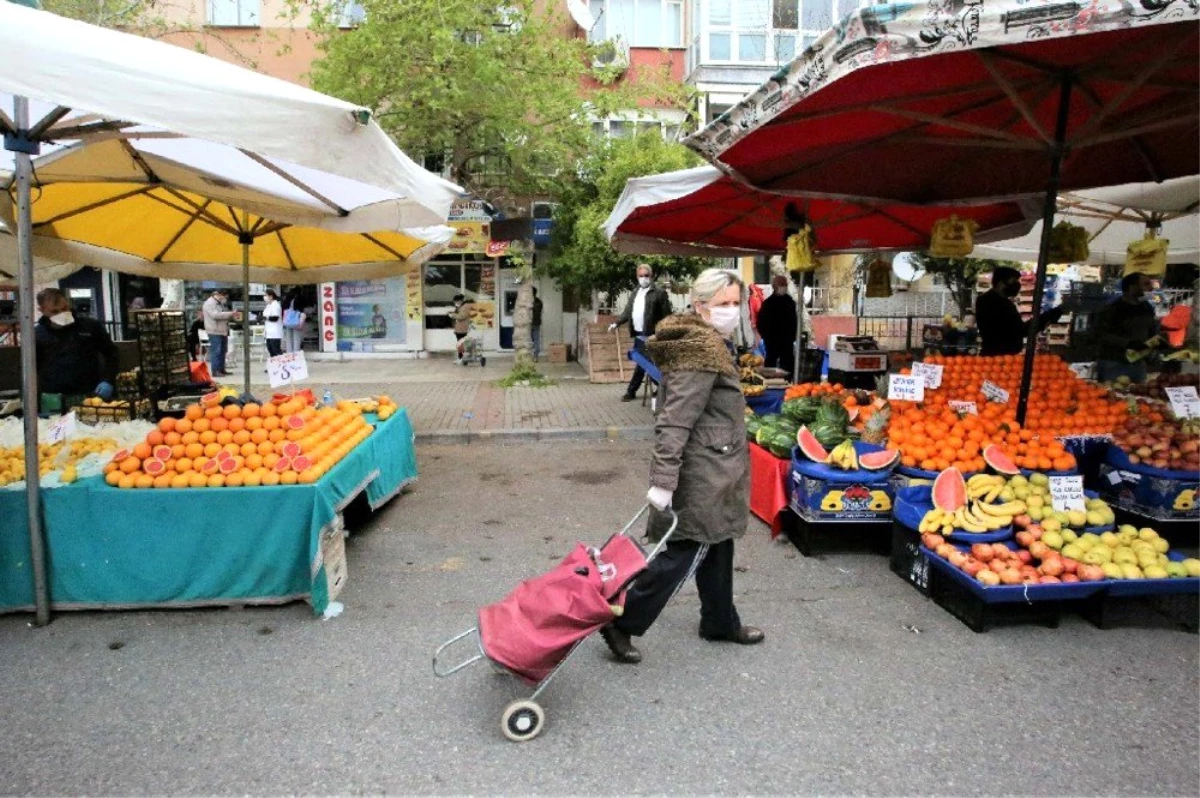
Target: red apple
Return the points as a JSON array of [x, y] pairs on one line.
[[1025, 539], [1049, 580], [1070, 578], [1024, 556], [982, 552], [1069, 565]]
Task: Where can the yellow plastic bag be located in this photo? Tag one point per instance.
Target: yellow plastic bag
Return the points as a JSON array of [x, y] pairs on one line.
[[801, 251], [879, 280], [1068, 243], [1147, 255], [953, 237]]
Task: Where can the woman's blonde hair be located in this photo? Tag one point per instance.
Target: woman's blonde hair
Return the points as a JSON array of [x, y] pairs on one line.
[[711, 281]]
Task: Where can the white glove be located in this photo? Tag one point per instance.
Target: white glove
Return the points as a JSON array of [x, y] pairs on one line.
[[659, 498], [612, 326]]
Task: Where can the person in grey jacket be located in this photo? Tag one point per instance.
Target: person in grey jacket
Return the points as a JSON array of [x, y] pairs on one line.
[[216, 323], [701, 466]]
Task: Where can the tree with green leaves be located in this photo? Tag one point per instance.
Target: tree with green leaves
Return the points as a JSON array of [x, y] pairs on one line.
[[498, 92], [582, 257], [959, 275]]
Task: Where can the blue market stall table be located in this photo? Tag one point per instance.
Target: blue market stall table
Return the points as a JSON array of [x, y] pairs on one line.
[[768, 402], [117, 549]]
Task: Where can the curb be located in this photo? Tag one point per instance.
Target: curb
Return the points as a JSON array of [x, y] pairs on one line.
[[458, 437]]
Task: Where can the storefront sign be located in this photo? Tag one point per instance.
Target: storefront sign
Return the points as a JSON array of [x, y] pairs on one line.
[[967, 408], [931, 372], [287, 368], [469, 237], [327, 328], [370, 312], [1184, 401], [994, 392], [1066, 494], [906, 388]]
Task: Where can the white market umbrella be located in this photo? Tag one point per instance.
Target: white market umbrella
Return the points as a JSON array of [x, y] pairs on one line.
[[103, 83], [1116, 216]]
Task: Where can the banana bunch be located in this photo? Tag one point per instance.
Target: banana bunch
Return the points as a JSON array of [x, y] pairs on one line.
[[843, 456], [986, 487], [976, 516]]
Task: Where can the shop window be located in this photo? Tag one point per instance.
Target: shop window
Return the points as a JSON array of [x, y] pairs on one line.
[[442, 282], [233, 13], [762, 269]]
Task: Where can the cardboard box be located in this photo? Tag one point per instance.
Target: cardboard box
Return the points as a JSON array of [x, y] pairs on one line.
[[558, 353]]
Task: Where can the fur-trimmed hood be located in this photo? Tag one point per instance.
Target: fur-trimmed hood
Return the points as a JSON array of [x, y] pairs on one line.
[[685, 342]]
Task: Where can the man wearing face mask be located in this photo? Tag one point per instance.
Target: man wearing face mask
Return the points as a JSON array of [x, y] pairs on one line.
[[700, 466], [646, 308], [1001, 329], [74, 355]]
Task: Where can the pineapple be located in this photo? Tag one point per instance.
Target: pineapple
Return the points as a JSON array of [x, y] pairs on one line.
[[875, 430]]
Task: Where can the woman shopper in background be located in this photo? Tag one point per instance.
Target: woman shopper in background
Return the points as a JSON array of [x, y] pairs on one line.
[[293, 337], [272, 317], [700, 466]]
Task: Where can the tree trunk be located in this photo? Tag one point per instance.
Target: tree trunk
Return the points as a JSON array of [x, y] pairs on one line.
[[523, 320]]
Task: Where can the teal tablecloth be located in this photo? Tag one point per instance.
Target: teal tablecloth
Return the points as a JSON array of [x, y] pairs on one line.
[[110, 548]]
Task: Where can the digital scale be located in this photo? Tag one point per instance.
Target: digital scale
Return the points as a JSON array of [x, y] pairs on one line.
[[856, 360]]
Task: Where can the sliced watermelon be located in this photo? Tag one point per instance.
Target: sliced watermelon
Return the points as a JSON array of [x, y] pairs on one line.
[[291, 449], [810, 447], [153, 466], [878, 461], [283, 465], [949, 491], [999, 461], [301, 463], [162, 453]]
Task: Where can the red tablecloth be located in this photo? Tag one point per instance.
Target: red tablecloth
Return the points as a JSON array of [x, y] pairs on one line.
[[768, 486]]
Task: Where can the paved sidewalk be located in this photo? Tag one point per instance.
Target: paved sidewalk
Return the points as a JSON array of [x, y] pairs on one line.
[[463, 404]]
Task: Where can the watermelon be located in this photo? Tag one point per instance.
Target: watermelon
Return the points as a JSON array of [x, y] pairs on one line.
[[780, 445], [949, 490], [998, 461], [753, 423], [878, 461], [810, 447]]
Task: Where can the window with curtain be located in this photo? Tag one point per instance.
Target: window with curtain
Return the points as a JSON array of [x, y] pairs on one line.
[[641, 23], [767, 31]]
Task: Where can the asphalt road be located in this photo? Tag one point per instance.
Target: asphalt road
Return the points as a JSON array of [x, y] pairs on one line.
[[842, 698]]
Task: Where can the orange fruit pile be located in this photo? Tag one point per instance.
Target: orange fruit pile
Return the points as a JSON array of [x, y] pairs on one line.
[[932, 437], [286, 443]]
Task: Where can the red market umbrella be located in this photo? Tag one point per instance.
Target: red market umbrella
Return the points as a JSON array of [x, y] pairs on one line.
[[703, 212], [942, 102]]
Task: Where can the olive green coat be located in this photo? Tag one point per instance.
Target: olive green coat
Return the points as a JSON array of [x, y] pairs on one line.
[[700, 448]]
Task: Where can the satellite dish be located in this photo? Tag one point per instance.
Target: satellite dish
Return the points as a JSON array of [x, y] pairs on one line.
[[905, 269]]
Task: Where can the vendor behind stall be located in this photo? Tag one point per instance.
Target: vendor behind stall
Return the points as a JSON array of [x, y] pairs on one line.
[[1126, 325], [1001, 329], [74, 355]]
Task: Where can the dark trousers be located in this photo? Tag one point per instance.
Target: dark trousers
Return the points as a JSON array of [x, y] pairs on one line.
[[712, 565], [780, 353], [639, 373], [274, 347]]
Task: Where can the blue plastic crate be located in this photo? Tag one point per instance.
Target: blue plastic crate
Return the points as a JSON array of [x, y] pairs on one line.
[[1011, 594]]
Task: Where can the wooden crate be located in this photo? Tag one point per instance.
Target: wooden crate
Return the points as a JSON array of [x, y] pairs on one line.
[[607, 358]]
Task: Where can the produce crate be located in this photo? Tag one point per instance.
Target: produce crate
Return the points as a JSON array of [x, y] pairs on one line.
[[1175, 610], [807, 535], [1157, 497], [115, 412], [907, 560], [162, 348]]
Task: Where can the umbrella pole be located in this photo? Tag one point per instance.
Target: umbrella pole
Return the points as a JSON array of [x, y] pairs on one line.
[[1049, 207], [23, 149], [246, 239]]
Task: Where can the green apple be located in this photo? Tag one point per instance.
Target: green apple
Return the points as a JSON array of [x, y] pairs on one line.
[[1035, 513], [1109, 539], [1051, 525], [1147, 559], [1020, 492], [1007, 495], [1035, 502], [1053, 539], [1069, 536], [1128, 528], [1073, 551], [1077, 518], [1094, 504], [1112, 570], [1131, 572], [1039, 479], [1192, 566], [1161, 545], [1125, 556], [1094, 518], [1127, 536], [1097, 556], [1176, 570], [1147, 534], [1018, 480]]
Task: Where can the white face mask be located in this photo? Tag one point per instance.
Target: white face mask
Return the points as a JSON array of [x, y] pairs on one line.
[[724, 319], [62, 319], [644, 282]]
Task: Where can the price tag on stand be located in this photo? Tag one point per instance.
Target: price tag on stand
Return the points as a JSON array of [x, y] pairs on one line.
[[287, 368], [1066, 494], [906, 388], [1184, 401], [994, 392], [931, 372], [1086, 371], [60, 429], [963, 407]]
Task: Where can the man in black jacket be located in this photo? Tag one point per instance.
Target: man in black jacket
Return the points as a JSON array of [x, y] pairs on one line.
[[75, 355], [777, 326], [648, 305], [1001, 329]]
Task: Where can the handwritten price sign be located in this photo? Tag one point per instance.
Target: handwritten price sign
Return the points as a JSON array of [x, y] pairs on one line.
[[968, 408], [994, 392], [930, 372], [1184, 401], [906, 388], [61, 429], [287, 368], [1066, 494]]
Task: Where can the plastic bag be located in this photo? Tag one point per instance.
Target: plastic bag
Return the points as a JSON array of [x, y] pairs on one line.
[[1147, 255], [801, 251], [1068, 243]]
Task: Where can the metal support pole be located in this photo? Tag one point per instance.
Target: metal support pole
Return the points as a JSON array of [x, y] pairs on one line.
[[1049, 206], [246, 240], [29, 395], [801, 310]]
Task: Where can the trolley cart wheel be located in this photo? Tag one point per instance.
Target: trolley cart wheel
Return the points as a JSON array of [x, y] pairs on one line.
[[482, 361], [522, 721]]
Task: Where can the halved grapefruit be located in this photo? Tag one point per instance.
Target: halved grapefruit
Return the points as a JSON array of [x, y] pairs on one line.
[[291, 449], [154, 467], [301, 463], [283, 465], [162, 453]]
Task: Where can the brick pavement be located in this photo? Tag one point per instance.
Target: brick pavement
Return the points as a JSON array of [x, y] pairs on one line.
[[449, 403]]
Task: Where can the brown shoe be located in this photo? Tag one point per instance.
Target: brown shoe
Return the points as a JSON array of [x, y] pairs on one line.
[[620, 645], [746, 636]]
